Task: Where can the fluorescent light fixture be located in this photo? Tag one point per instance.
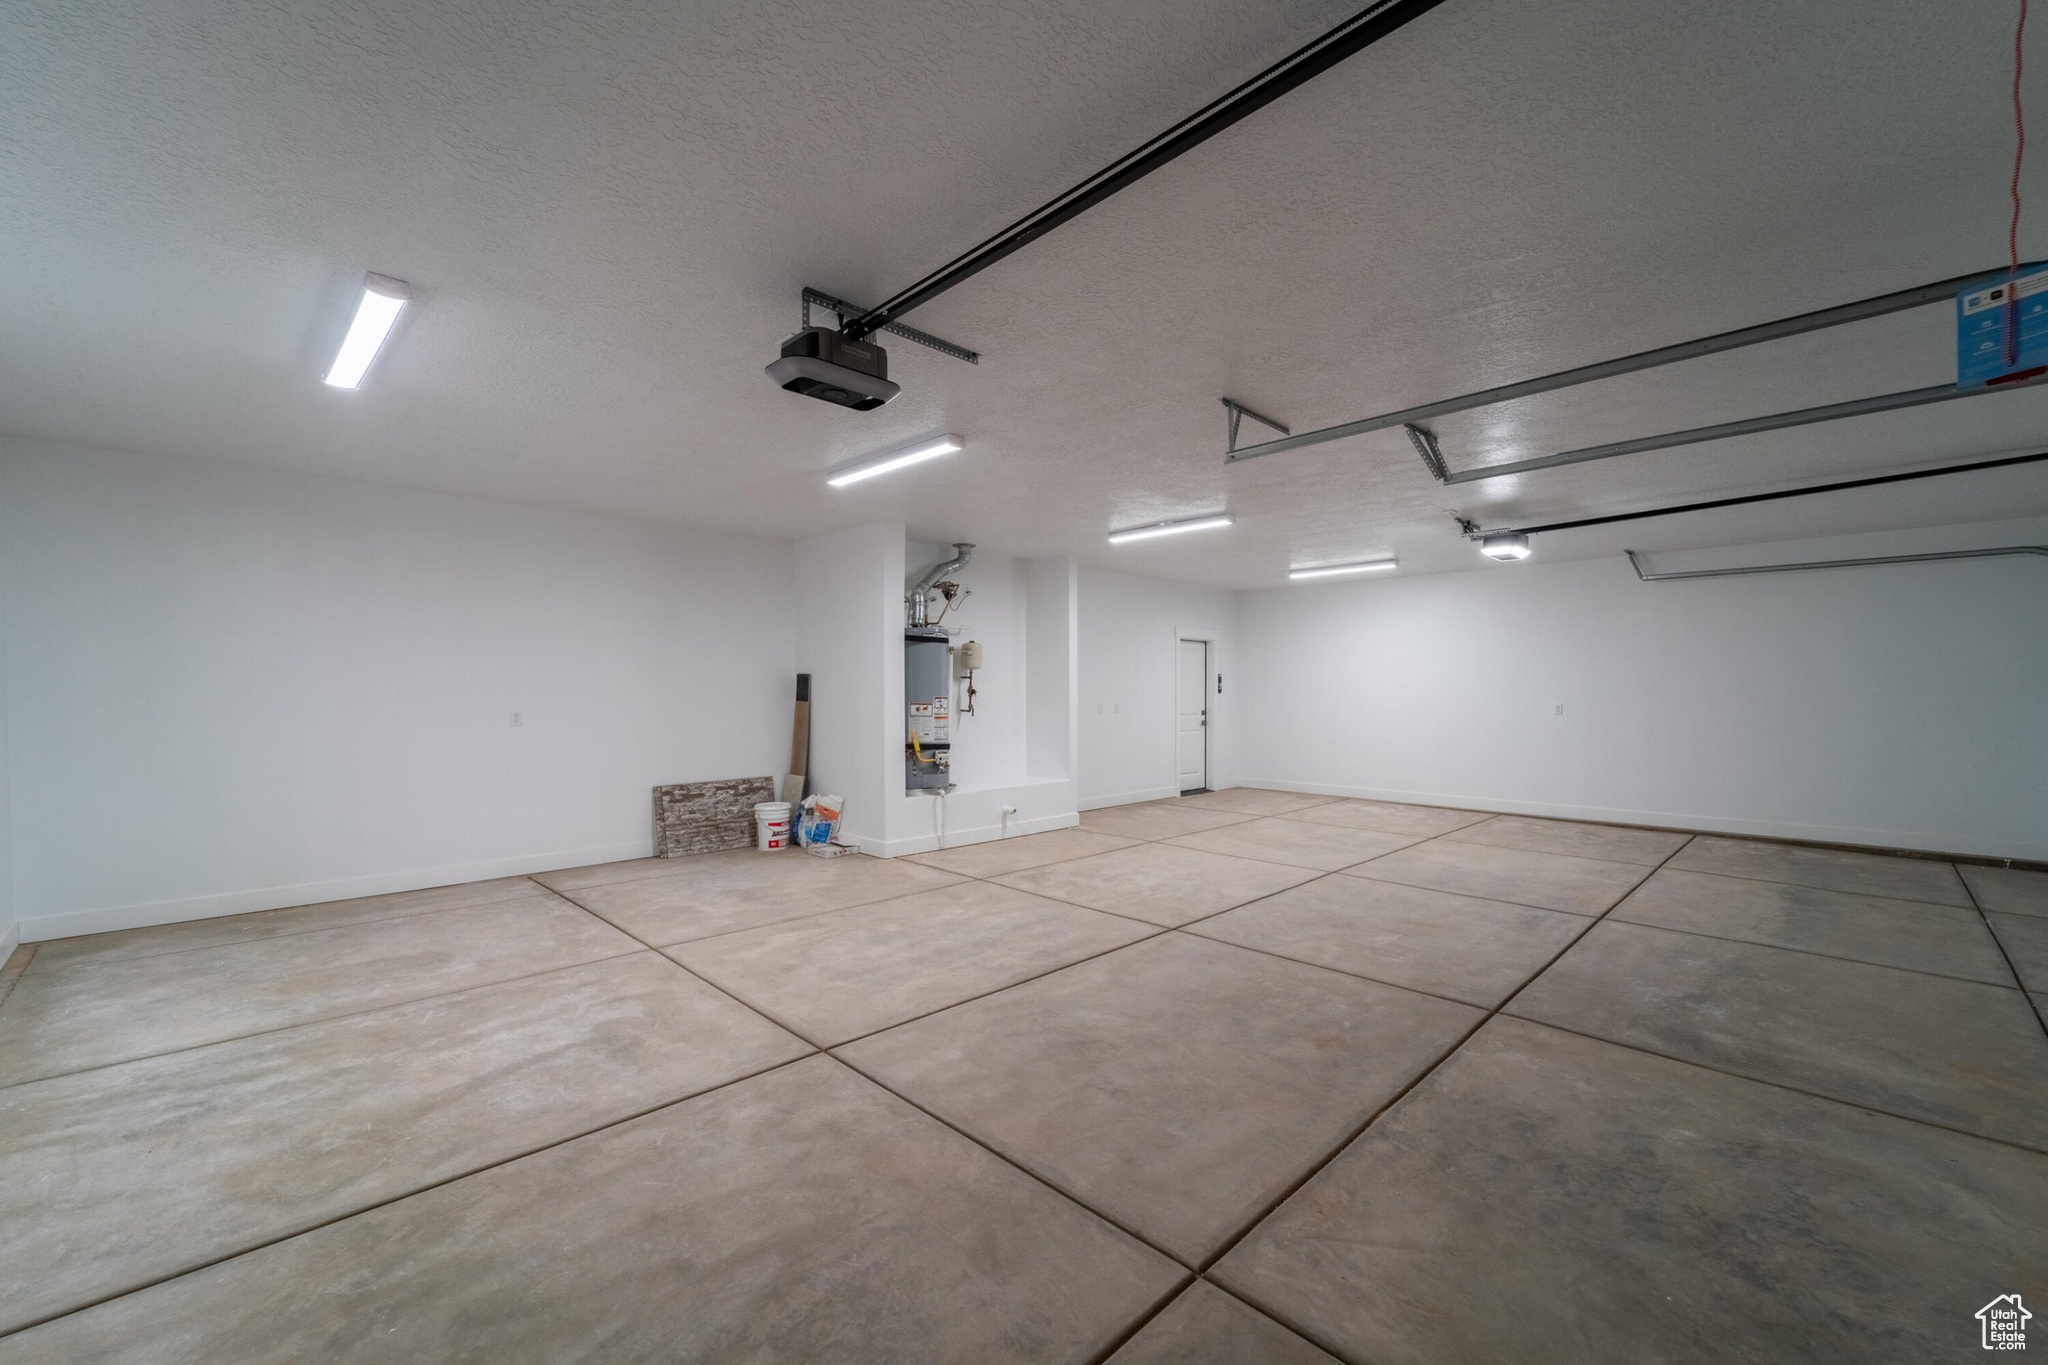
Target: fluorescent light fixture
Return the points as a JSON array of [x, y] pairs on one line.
[[1504, 545], [1332, 570], [883, 464], [1168, 528], [383, 298]]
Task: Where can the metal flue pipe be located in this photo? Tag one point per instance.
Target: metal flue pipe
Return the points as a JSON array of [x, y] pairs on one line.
[[962, 552]]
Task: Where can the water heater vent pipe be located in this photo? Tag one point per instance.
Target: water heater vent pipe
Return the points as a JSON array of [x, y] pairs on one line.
[[915, 602]]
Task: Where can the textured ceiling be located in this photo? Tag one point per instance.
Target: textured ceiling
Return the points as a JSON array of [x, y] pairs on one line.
[[607, 209]]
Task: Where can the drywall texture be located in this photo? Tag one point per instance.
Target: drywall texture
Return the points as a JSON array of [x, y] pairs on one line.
[[234, 688], [10, 933], [608, 209], [1052, 681], [849, 638], [1899, 706], [1129, 633]]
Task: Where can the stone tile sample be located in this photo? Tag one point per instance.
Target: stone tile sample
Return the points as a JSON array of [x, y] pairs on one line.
[[1958, 1053], [1478, 951], [1615, 843], [716, 893], [1554, 1200], [92, 1013], [704, 817], [1548, 881], [1159, 883], [2010, 890], [2026, 942], [836, 976], [116, 1177], [1158, 819], [1205, 1326], [299, 919], [1831, 869], [1179, 1086], [997, 856], [1296, 843], [1918, 935], [800, 1216], [1389, 817]]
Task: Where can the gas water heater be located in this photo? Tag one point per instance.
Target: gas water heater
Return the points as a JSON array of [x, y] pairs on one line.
[[928, 676], [928, 709]]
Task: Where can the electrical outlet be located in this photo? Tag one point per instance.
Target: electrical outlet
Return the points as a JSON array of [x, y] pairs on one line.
[[1560, 709], [518, 718], [1118, 708]]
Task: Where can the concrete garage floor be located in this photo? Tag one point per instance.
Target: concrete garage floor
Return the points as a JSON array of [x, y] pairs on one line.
[[1250, 1076]]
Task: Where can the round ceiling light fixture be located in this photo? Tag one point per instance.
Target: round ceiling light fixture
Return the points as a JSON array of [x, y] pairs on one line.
[[1505, 546]]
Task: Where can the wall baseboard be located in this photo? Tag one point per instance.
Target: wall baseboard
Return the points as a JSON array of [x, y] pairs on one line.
[[10, 939], [105, 919], [960, 838], [1128, 798], [1875, 840]]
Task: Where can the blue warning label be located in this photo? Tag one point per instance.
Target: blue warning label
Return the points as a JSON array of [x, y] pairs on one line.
[[1982, 317]]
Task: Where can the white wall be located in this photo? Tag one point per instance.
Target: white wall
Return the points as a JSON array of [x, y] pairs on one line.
[[10, 932], [849, 627], [234, 688], [225, 688], [1129, 635], [1052, 683], [1901, 706]]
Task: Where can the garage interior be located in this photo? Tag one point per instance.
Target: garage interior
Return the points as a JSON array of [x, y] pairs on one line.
[[1394, 708]]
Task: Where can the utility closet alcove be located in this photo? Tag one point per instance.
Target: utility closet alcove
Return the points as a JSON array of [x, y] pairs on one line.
[[1008, 766]]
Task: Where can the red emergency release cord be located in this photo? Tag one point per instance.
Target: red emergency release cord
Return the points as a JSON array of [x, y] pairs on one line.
[[2019, 154]]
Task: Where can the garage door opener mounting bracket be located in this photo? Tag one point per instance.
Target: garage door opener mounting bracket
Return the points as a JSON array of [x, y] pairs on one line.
[[1237, 410]]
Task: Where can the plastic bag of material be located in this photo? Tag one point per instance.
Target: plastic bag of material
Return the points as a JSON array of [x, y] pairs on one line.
[[819, 821]]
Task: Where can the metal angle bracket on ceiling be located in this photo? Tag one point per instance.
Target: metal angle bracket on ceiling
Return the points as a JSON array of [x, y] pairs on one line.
[[1425, 445], [1879, 305], [847, 310], [1237, 410], [1644, 573]]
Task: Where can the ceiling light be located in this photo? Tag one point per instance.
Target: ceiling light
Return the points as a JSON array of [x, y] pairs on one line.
[[1504, 545], [1332, 570], [883, 464], [382, 299], [1168, 528]]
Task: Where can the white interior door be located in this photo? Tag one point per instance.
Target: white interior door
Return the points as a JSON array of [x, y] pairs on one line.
[[1191, 715]]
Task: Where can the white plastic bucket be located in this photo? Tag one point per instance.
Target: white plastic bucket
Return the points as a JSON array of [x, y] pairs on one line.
[[771, 825]]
